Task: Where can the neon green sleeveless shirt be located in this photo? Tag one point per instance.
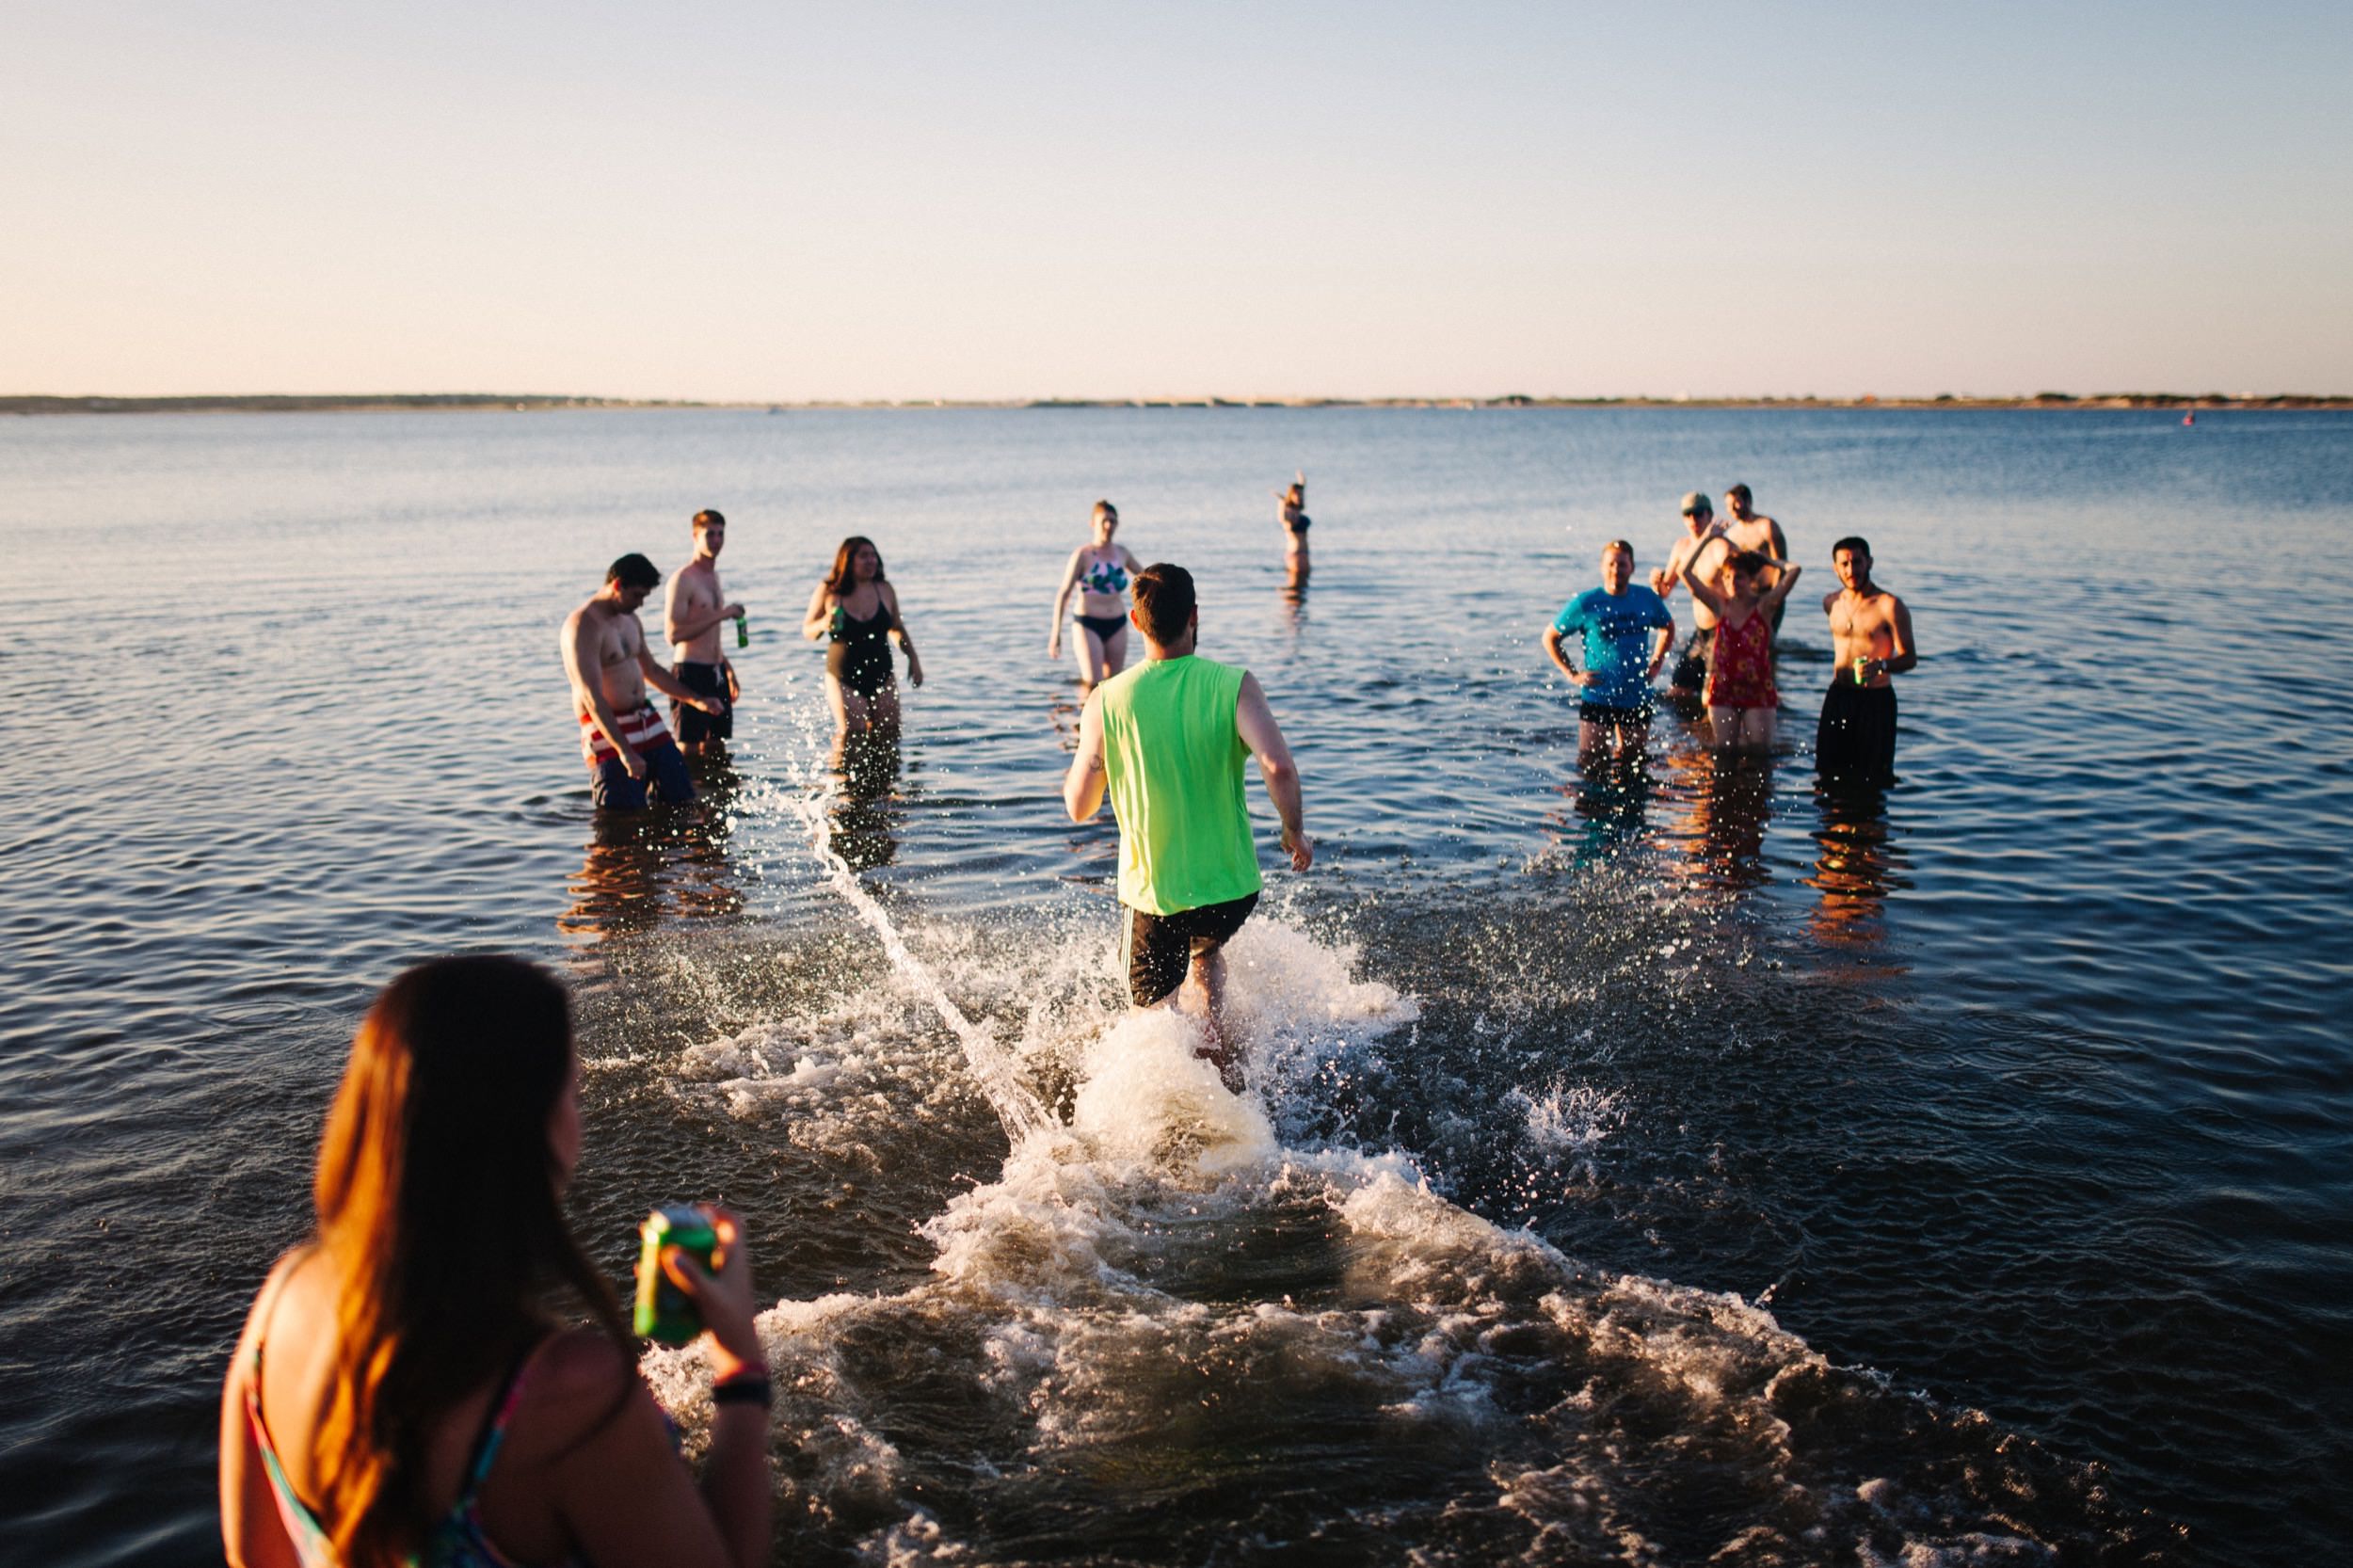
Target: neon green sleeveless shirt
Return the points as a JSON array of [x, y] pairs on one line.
[[1174, 755]]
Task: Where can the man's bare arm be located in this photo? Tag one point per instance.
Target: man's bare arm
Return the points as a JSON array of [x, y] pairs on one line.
[[1083, 785], [1666, 639], [671, 686], [1899, 630], [1264, 738], [1701, 592]]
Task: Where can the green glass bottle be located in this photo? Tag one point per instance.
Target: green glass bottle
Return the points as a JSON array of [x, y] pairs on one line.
[[742, 632], [664, 1314]]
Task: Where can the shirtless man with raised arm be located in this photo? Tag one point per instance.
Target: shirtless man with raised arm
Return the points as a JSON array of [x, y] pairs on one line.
[[1752, 530], [1856, 741], [628, 747], [1699, 536], [692, 612]]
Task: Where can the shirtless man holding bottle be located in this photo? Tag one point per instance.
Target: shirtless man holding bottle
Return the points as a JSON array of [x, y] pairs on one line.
[[692, 614]]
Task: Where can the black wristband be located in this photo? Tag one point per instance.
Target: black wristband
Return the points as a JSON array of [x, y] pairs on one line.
[[743, 1388]]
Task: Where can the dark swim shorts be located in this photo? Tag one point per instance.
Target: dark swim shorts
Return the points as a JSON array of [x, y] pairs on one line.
[[1631, 718], [666, 780], [1690, 671], [694, 727], [1161, 947]]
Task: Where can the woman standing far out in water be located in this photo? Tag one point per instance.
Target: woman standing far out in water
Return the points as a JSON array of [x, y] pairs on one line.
[[1100, 571], [860, 611], [1740, 694], [402, 1393], [1295, 528]]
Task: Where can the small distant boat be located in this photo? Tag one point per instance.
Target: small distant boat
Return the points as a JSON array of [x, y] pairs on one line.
[[2189, 417]]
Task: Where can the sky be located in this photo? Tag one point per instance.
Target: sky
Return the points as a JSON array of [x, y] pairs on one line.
[[797, 202]]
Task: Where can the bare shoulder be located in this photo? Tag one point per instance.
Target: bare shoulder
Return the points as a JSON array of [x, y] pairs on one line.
[[579, 1380], [1830, 601]]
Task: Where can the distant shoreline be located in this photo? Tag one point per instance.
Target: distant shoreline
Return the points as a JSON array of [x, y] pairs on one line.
[[527, 403]]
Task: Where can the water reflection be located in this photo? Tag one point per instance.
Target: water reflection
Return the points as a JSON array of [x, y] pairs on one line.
[[866, 769], [1607, 804], [1728, 798], [1857, 862], [644, 868]]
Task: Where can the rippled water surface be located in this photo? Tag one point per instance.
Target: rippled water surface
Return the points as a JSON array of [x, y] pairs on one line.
[[1668, 1167]]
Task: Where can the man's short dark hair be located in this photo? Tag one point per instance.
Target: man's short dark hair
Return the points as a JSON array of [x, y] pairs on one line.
[[1740, 490], [1164, 599], [633, 570], [1625, 545], [1853, 542], [709, 519]]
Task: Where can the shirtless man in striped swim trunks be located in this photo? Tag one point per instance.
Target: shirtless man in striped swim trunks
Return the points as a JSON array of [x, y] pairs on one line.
[[628, 747]]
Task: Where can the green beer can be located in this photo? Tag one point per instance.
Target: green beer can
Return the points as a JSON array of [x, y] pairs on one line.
[[664, 1314]]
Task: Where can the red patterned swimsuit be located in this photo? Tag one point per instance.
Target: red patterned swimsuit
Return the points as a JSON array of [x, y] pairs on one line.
[[1740, 668]]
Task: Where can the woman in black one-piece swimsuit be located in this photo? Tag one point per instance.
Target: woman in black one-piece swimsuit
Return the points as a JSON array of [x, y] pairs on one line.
[[859, 611]]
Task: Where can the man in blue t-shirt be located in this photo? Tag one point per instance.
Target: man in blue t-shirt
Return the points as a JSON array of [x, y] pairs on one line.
[[1627, 631]]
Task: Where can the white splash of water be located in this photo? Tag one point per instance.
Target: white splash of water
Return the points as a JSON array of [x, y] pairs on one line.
[[992, 1066]]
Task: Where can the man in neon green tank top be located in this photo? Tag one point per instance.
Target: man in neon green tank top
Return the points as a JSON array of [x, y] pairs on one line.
[[1168, 738]]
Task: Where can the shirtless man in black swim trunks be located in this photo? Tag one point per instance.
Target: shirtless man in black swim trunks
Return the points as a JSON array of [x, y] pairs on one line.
[[859, 611], [692, 615]]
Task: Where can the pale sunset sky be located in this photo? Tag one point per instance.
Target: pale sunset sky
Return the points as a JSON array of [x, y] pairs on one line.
[[785, 203]]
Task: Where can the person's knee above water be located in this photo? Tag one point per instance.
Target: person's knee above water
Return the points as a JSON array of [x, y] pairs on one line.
[[628, 748], [1624, 631], [1166, 740], [402, 1392], [1097, 572], [692, 614], [1871, 633]]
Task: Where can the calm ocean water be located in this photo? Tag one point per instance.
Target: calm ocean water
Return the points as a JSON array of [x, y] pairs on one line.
[[1673, 1170]]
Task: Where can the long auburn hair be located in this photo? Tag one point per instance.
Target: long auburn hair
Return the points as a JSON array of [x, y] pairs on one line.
[[437, 1204], [844, 576]]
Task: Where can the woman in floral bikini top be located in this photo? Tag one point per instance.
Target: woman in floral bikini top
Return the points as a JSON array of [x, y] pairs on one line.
[[1740, 696]]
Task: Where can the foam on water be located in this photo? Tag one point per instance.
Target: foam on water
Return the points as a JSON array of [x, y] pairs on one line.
[[1164, 1314]]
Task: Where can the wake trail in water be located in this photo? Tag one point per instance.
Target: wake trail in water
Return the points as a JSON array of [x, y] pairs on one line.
[[992, 1066]]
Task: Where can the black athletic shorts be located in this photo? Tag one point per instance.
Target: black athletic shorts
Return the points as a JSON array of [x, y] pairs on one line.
[[1690, 671], [695, 725], [1161, 947], [1631, 718]]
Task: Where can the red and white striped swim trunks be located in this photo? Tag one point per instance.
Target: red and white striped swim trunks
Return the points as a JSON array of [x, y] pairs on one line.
[[641, 729]]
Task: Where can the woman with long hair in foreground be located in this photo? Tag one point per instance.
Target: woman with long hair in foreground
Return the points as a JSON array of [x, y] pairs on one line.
[[401, 1395]]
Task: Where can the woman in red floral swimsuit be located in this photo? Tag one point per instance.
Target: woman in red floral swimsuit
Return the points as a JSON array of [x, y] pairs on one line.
[[1740, 697]]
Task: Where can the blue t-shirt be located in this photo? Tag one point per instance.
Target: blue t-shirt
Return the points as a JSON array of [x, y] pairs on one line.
[[1617, 630]]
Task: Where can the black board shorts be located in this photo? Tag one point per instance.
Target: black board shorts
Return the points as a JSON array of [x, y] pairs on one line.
[[693, 726], [1160, 948], [1627, 719], [1855, 741], [1690, 671]]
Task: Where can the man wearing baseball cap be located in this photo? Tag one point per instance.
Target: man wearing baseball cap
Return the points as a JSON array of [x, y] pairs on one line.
[[1699, 514]]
